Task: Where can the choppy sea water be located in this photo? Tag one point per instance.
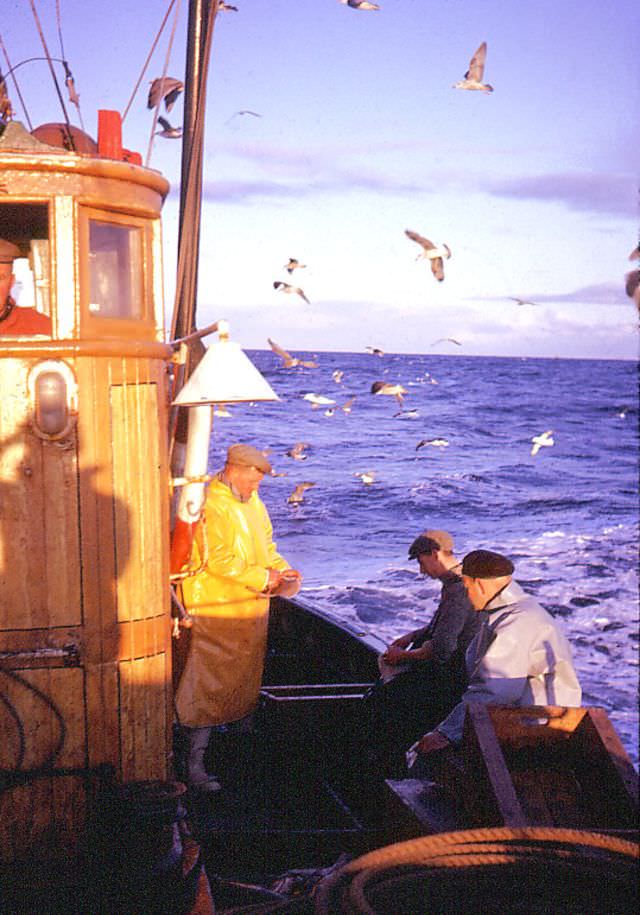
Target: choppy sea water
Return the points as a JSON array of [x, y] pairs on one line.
[[568, 516]]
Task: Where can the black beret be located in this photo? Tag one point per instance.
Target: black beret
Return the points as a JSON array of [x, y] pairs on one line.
[[486, 564]]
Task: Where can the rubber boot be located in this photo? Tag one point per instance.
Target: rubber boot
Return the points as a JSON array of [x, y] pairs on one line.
[[197, 775]]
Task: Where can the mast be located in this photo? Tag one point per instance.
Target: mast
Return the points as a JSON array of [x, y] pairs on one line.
[[202, 14]]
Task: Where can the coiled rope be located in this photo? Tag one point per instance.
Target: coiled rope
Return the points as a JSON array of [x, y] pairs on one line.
[[501, 870]]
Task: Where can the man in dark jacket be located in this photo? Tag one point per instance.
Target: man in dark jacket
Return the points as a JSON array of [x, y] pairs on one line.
[[423, 673]]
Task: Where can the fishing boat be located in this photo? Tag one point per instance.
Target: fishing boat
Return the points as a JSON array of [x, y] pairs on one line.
[[93, 815]]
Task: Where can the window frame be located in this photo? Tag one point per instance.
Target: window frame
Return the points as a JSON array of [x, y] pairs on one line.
[[102, 326]]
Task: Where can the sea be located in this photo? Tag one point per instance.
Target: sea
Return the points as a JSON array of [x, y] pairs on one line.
[[456, 454]]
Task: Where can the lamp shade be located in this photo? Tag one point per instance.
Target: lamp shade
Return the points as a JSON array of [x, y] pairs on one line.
[[224, 375]]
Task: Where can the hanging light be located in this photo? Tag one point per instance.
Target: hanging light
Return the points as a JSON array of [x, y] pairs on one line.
[[224, 375]]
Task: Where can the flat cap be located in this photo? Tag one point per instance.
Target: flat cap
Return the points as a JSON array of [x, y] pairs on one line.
[[248, 456], [430, 541], [8, 251], [486, 564]]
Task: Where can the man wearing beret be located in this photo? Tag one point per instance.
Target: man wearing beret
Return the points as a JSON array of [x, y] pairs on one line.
[[228, 601], [13, 319], [519, 656], [423, 672]]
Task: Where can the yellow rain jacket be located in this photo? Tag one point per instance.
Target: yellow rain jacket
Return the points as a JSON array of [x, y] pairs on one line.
[[222, 677]]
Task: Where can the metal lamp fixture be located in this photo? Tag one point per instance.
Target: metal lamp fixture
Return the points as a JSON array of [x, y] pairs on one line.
[[224, 375], [53, 392]]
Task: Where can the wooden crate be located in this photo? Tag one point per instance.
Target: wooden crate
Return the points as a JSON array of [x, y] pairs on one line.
[[546, 766]]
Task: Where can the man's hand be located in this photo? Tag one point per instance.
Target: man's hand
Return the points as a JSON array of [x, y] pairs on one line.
[[287, 582], [402, 641], [395, 654], [274, 580], [431, 742], [291, 575]]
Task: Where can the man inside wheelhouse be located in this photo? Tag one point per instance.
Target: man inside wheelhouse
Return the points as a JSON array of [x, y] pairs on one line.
[[14, 319]]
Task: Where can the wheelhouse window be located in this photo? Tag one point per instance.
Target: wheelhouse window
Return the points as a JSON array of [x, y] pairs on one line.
[[115, 270], [116, 274], [25, 283]]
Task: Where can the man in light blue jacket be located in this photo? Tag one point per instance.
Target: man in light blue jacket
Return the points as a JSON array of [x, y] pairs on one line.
[[519, 656]]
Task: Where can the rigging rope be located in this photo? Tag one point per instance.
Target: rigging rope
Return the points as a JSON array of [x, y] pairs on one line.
[[74, 98], [15, 82], [164, 73], [146, 63], [58, 21], [70, 140]]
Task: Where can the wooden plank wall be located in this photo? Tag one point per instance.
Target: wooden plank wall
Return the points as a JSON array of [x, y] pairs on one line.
[[83, 560], [39, 539], [141, 586]]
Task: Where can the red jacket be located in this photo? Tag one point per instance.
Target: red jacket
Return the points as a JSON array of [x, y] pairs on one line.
[[24, 321]]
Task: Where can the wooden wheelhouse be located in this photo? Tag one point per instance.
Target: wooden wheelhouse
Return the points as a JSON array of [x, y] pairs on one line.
[[85, 668]]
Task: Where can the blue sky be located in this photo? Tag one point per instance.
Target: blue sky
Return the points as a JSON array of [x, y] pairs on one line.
[[360, 136]]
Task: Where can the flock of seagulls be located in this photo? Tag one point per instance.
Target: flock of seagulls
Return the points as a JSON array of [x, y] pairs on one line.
[[300, 451]]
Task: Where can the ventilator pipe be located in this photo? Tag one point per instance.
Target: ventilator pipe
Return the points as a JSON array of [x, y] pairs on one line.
[[192, 496], [191, 499]]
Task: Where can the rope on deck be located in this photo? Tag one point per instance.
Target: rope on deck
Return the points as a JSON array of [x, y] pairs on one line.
[[531, 869]]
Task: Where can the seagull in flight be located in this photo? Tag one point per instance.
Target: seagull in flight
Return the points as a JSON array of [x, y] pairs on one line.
[[374, 350], [436, 442], [297, 451], [431, 252], [519, 301], [360, 4], [167, 88], [168, 132], [318, 400], [289, 361], [474, 75], [242, 112], [367, 478], [393, 390], [226, 7], [544, 440], [294, 264], [446, 340], [297, 495], [285, 287], [337, 375]]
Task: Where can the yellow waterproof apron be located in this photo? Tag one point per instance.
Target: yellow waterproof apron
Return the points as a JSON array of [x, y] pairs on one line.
[[222, 677]]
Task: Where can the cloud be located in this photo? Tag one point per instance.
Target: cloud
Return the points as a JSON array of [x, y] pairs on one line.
[[597, 294], [585, 191], [341, 182]]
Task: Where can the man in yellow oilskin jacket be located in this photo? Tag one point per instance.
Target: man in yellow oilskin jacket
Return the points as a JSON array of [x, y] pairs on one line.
[[228, 601]]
